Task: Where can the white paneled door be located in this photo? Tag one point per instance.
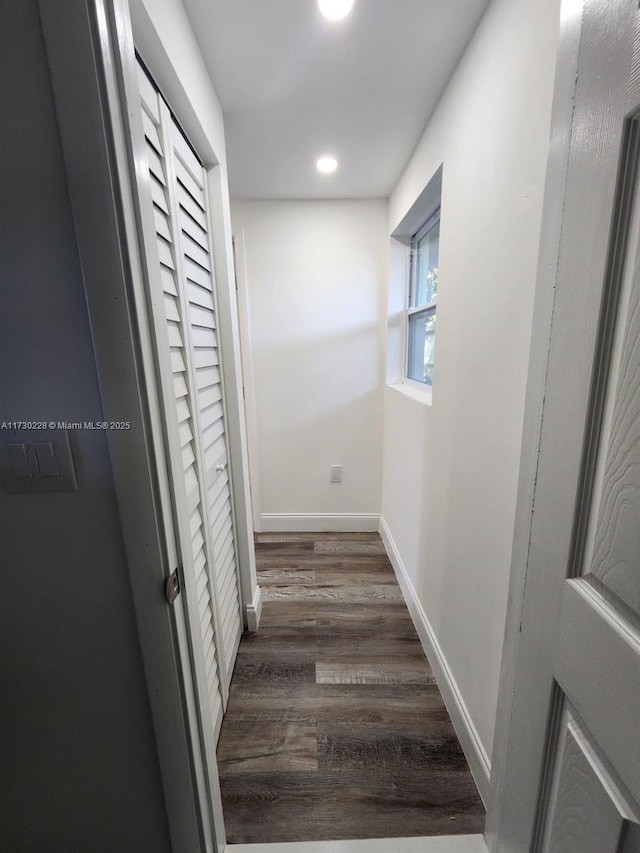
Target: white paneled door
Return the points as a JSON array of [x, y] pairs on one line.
[[593, 804], [572, 744], [183, 301]]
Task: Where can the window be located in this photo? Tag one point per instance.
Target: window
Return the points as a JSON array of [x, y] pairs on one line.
[[423, 295]]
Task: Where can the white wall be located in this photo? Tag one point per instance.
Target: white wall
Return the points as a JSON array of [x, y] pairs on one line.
[[451, 468], [315, 275]]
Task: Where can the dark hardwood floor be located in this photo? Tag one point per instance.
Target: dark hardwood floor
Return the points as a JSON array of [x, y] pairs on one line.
[[335, 727]]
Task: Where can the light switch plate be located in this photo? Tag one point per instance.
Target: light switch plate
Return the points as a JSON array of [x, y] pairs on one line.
[[36, 461]]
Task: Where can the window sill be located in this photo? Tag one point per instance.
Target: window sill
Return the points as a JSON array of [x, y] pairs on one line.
[[414, 390]]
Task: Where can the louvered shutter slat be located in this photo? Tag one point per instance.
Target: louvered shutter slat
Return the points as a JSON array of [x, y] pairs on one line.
[[178, 394], [197, 264]]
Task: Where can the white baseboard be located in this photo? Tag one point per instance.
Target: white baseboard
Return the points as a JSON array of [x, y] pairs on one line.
[[470, 742], [303, 522], [254, 610], [432, 844]]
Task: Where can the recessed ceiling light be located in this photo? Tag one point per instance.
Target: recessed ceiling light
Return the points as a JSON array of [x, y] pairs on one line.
[[326, 165], [335, 9]]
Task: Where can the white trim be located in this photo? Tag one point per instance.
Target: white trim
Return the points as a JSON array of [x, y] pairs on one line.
[[246, 363], [321, 522], [235, 426], [419, 391], [432, 844], [470, 742], [254, 610]]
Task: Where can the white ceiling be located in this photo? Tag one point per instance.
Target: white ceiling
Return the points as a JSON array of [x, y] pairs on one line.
[[294, 86]]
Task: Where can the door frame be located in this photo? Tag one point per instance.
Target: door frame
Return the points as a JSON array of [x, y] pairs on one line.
[[577, 244], [244, 324]]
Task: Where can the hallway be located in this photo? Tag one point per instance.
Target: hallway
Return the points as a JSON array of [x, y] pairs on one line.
[[335, 727]]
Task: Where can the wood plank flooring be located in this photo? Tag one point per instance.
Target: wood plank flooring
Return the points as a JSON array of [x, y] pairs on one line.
[[335, 728]]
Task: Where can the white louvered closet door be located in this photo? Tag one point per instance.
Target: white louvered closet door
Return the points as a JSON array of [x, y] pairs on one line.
[[183, 299], [198, 290]]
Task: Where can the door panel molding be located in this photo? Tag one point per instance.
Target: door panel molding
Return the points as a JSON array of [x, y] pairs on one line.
[[612, 293], [594, 812], [588, 678]]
